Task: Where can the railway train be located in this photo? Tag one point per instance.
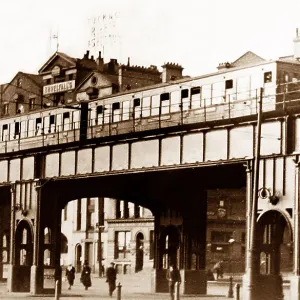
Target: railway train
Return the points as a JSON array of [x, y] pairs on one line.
[[185, 101]]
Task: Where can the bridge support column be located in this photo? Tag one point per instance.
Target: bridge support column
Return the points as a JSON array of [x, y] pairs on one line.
[[36, 280], [295, 279], [181, 241]]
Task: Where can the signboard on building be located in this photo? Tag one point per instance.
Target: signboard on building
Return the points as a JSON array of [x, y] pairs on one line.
[[49, 278], [5, 271], [59, 87]]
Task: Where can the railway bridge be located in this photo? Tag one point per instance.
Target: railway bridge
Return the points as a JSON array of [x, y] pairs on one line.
[[167, 170]]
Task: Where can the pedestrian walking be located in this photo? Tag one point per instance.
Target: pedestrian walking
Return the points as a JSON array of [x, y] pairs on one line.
[[70, 275], [219, 269], [86, 275], [173, 276], [111, 277]]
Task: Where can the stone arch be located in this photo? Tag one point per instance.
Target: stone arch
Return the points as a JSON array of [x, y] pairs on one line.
[[23, 255], [275, 239]]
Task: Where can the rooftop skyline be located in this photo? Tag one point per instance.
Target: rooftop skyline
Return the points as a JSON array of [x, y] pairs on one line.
[[197, 35]]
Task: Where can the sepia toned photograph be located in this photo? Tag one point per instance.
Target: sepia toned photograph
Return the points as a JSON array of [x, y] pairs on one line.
[[150, 150]]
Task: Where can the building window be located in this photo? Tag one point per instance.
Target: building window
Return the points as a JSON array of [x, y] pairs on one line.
[[220, 241], [151, 250], [122, 244], [267, 77], [31, 103], [90, 213], [71, 76], [229, 84], [78, 219], [48, 81], [19, 82], [5, 109]]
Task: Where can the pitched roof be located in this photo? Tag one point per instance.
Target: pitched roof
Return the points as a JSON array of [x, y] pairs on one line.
[[289, 59], [62, 55], [248, 58], [36, 78]]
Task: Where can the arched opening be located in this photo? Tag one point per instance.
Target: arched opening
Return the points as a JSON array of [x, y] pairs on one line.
[[23, 256], [78, 254], [273, 235], [274, 243], [169, 247], [139, 258]]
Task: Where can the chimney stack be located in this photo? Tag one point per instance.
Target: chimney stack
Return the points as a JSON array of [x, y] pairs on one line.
[[171, 71], [297, 44]]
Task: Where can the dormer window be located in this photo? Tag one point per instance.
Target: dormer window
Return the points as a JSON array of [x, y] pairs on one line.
[[19, 82], [94, 80]]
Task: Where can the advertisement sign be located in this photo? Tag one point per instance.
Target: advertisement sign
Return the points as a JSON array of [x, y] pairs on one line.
[[59, 87]]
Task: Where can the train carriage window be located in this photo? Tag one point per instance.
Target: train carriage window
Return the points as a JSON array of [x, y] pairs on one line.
[[126, 110], [155, 104], [24, 129], [66, 121], [185, 99], [11, 131], [38, 126], [99, 114], [243, 88], [175, 101], [255, 85], [93, 116], [165, 103], [146, 107], [116, 112], [59, 122], [195, 97], [267, 77], [107, 113], [218, 93], [228, 84], [46, 124], [31, 129], [137, 109], [76, 119], [4, 132], [206, 95], [52, 123], [17, 130]]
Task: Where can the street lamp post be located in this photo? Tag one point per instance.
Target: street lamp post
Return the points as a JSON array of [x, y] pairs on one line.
[[252, 251], [100, 230], [231, 242]]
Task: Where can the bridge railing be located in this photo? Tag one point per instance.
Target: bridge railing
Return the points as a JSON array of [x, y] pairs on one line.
[[151, 118]]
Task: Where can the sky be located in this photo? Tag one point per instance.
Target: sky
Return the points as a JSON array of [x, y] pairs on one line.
[[197, 34]]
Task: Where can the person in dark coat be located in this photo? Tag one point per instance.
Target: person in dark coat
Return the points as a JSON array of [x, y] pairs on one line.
[[219, 269], [111, 277], [70, 275], [173, 276], [86, 275]]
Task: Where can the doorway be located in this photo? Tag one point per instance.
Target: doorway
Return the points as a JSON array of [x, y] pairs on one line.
[[23, 256], [139, 258], [78, 255]]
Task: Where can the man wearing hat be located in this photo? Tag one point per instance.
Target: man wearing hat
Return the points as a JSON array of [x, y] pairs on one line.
[[111, 277]]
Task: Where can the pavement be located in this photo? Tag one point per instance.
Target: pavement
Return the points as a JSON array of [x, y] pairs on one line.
[[134, 287]]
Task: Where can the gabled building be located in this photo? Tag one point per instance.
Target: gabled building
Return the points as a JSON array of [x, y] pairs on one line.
[[23, 94]]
